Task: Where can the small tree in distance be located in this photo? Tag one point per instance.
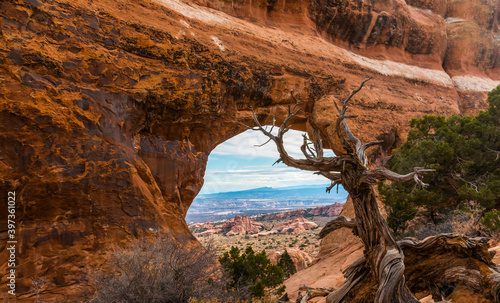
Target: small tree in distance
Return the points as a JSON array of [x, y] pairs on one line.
[[286, 264]]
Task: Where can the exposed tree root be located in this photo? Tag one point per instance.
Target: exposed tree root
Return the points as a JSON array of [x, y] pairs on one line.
[[439, 266], [312, 292]]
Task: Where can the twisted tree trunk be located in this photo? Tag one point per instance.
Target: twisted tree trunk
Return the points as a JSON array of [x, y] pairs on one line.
[[383, 256]]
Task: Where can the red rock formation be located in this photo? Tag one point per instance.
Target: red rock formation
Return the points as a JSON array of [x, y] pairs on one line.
[[285, 215], [296, 226], [203, 229], [242, 225], [109, 109], [206, 225], [299, 257], [332, 210], [338, 250], [237, 226]]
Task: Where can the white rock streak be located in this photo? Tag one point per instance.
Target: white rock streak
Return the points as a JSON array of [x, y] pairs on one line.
[[318, 46], [185, 23], [218, 42], [473, 83], [196, 12], [391, 68]]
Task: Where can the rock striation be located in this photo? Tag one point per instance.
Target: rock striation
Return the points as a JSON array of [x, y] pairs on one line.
[[242, 225], [109, 109], [330, 211], [296, 226]]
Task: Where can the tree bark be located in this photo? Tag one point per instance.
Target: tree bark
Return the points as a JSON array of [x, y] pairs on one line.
[[384, 258], [447, 266]]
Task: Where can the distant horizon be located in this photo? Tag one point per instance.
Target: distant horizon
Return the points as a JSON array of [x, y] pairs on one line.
[[239, 164], [281, 187]]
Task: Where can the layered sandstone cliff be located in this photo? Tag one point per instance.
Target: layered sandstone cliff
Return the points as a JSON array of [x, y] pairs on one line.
[[109, 109]]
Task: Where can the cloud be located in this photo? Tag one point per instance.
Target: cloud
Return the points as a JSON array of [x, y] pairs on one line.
[[237, 164], [254, 171], [221, 181], [245, 145]]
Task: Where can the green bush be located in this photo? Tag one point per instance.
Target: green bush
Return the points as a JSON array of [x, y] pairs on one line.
[[492, 220], [464, 152], [250, 273], [286, 264]]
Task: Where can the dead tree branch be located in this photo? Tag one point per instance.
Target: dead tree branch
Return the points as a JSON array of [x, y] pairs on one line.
[[376, 175], [337, 223], [314, 160], [341, 120], [494, 151]]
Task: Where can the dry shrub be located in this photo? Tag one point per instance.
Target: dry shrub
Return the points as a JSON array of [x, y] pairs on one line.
[[160, 269], [456, 222], [37, 285], [463, 220], [466, 226]]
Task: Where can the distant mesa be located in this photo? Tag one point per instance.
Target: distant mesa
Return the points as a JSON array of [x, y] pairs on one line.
[[264, 200]]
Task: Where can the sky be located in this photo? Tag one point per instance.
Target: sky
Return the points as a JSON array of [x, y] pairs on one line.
[[237, 164]]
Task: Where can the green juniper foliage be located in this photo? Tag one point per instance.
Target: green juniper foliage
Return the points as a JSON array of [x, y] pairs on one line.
[[492, 220], [286, 264], [464, 151], [250, 269]]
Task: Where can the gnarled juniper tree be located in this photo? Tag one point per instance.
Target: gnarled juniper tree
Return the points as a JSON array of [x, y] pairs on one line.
[[383, 257]]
